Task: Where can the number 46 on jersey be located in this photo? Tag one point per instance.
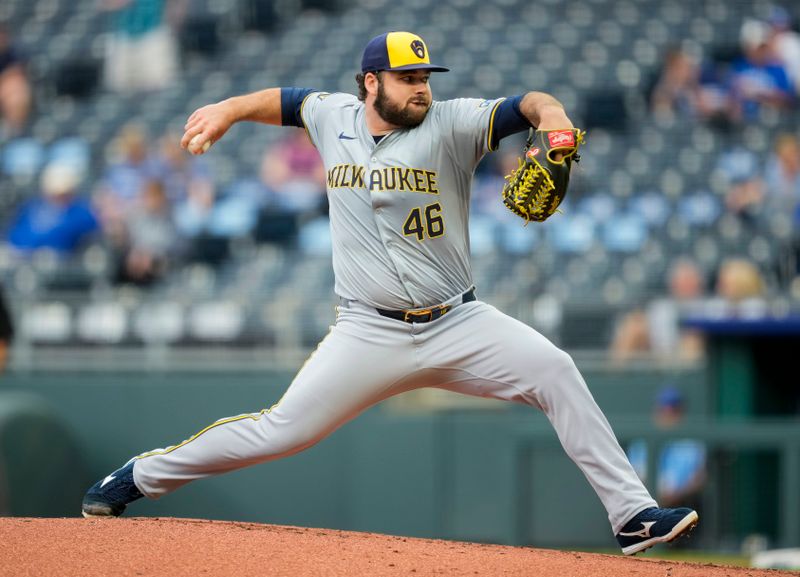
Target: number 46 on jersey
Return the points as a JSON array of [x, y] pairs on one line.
[[424, 222]]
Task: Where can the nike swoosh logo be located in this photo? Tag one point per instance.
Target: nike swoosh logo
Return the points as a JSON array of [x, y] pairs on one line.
[[343, 136], [107, 480], [644, 532]]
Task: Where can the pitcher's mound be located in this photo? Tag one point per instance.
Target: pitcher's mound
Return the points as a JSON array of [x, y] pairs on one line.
[[188, 547]]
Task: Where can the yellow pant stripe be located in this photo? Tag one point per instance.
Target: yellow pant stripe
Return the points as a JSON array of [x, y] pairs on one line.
[[252, 416]]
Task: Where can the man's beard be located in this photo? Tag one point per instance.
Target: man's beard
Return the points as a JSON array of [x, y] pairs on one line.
[[406, 117]]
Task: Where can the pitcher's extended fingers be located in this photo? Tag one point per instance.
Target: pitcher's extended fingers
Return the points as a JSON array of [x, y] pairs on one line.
[[187, 137], [192, 120]]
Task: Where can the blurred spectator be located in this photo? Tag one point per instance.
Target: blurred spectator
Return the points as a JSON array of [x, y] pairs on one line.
[[688, 88], [291, 192], [686, 293], [6, 331], [141, 50], [677, 91], [758, 78], [294, 175], [15, 90], [683, 89], [782, 175], [739, 281], [656, 328], [182, 174], [681, 464], [785, 43], [740, 171], [151, 241], [187, 182], [631, 336], [123, 180], [57, 219]]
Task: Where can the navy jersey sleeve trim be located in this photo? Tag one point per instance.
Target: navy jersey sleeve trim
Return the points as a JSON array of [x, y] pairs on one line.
[[291, 105], [507, 119]]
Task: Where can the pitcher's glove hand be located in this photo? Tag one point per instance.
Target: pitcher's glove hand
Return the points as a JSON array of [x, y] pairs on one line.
[[536, 188]]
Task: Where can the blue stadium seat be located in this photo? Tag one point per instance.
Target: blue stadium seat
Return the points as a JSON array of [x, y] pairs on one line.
[[518, 239], [700, 208], [625, 233], [73, 151], [482, 235], [600, 207], [23, 158], [571, 234], [315, 237], [652, 207]]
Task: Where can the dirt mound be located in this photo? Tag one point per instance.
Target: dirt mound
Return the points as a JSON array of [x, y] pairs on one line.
[[178, 547]]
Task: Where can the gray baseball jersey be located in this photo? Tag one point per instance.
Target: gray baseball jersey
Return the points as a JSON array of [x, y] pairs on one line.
[[399, 222], [399, 209]]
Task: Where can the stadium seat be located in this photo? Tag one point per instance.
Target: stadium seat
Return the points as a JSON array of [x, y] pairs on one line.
[[482, 235], [624, 233], [200, 34], [78, 77], [22, 158], [102, 323], [315, 237], [514, 238], [605, 109], [159, 322], [73, 151], [216, 321], [600, 207], [571, 234], [700, 208], [46, 322], [652, 207]]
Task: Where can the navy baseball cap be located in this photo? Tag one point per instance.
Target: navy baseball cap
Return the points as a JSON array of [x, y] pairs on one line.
[[397, 51]]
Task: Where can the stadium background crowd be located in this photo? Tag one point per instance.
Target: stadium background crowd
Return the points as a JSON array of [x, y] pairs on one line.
[[687, 197]]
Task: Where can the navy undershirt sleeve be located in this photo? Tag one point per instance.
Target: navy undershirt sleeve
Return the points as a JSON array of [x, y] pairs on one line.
[[508, 120], [291, 101]]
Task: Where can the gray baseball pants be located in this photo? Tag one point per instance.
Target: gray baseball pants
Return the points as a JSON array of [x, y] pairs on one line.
[[365, 358]]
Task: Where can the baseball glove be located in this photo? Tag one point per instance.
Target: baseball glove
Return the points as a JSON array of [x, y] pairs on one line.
[[536, 188]]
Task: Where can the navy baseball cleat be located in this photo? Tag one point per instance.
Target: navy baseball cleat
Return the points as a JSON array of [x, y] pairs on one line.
[[110, 495], [653, 526]]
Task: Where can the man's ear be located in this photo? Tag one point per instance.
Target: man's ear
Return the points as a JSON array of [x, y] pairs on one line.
[[371, 82]]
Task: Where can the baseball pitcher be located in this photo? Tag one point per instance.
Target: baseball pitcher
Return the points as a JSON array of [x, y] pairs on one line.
[[399, 170]]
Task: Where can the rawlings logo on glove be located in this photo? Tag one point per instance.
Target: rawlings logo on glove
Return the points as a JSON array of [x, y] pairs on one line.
[[536, 188], [561, 138]]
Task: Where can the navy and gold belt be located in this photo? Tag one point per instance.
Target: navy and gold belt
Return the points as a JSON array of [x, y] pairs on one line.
[[425, 315]]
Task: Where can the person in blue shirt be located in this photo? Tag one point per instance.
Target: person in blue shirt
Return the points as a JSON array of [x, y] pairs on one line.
[[681, 464], [57, 219], [758, 78]]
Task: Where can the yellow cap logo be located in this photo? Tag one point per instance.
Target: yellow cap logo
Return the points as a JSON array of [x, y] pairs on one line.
[[419, 48], [405, 49]]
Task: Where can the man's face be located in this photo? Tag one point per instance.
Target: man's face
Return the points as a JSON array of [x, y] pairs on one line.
[[403, 97]]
